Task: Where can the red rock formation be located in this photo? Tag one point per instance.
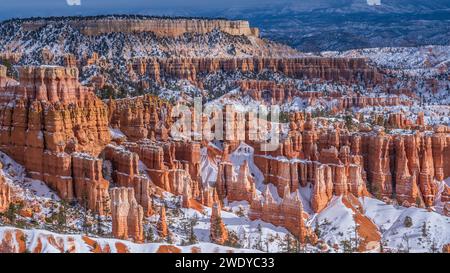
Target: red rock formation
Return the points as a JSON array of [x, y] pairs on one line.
[[91, 189], [446, 248], [323, 188], [5, 193], [218, 231], [398, 120], [406, 184], [340, 180], [127, 215], [356, 181], [427, 186], [52, 84], [330, 156], [420, 119], [235, 187], [48, 116], [288, 213], [70, 60], [445, 195], [159, 26], [141, 117], [3, 77], [272, 93], [379, 166], [10, 57], [163, 230], [439, 147], [333, 69], [447, 209]]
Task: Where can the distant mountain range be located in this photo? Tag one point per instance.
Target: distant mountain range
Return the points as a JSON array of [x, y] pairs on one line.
[[309, 25], [318, 25]]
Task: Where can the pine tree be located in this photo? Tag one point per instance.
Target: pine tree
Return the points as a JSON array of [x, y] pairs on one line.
[[62, 217], [259, 242], [192, 223], [424, 229]]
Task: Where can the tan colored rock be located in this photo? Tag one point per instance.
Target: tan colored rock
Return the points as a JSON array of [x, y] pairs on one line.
[[289, 214], [426, 177], [406, 184], [439, 147], [218, 231], [91, 189], [379, 166], [127, 215], [323, 188], [159, 26], [163, 230], [5, 193]]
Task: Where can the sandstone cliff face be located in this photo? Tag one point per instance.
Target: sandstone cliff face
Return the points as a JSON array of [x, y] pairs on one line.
[[5, 82], [218, 231], [11, 57], [288, 213], [240, 187], [159, 26], [402, 167], [5, 193], [126, 173], [332, 69], [2, 71], [45, 119], [163, 230], [51, 84], [273, 93], [141, 117], [406, 184], [379, 166], [127, 215], [91, 189]]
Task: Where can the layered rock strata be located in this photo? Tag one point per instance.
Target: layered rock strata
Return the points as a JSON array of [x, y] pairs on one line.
[[159, 26], [127, 215], [48, 117]]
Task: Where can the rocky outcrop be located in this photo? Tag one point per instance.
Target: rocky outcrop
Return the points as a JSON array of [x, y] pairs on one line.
[[51, 84], [159, 26], [405, 183], [5, 84], [427, 185], [2, 71], [126, 173], [141, 117], [446, 248], [90, 188], [163, 230], [379, 172], [48, 117], [5, 193], [218, 231], [273, 93], [235, 187], [10, 57], [323, 188], [171, 165], [127, 215], [288, 213], [331, 69]]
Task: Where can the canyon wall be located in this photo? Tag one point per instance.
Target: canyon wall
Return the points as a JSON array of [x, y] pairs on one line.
[[273, 93], [333, 69], [5, 192], [45, 120], [159, 26]]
